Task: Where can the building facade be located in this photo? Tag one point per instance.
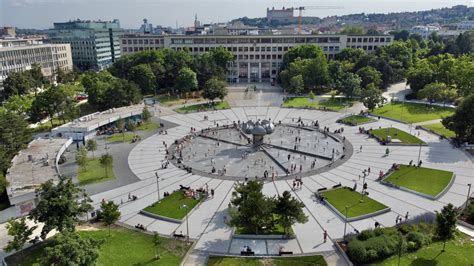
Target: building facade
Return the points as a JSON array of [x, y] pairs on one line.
[[280, 15], [20, 55], [257, 57], [94, 44]]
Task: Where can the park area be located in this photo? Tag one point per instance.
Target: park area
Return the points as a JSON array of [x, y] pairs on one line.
[[122, 247], [316, 260], [355, 120], [94, 172], [341, 197], [334, 104], [177, 205], [396, 134], [424, 180], [168, 100], [203, 107], [438, 128], [412, 112]]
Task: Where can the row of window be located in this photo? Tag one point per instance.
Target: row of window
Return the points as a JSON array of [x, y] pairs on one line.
[[368, 39]]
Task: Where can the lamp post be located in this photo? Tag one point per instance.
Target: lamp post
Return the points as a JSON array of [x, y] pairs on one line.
[[158, 184], [468, 194], [187, 228], [419, 154], [345, 222]]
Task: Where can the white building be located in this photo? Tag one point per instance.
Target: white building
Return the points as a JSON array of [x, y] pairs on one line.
[[19, 54], [424, 31], [466, 25], [257, 57], [280, 15]]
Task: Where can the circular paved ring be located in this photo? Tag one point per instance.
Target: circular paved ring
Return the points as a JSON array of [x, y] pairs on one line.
[[206, 221]]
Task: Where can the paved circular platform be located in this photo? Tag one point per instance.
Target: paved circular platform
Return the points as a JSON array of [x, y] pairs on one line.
[[206, 221]]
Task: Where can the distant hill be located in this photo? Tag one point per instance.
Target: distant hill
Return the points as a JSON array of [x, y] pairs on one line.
[[401, 20]]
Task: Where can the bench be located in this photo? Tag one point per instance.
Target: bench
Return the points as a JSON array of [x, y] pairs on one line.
[[247, 253], [336, 186], [179, 236], [321, 189], [285, 253]]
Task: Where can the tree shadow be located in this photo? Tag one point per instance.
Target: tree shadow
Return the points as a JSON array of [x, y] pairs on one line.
[[424, 262]]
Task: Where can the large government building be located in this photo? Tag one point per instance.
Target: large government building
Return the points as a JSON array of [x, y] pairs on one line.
[[257, 57], [19, 54]]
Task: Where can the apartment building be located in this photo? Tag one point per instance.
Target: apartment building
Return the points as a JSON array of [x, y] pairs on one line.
[[19, 55], [94, 44], [257, 57]]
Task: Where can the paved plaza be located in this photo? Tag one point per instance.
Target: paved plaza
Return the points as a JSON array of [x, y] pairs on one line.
[[206, 221]]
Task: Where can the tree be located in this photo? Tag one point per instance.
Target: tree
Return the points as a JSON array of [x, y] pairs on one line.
[[81, 157], [214, 88], [462, 122], [289, 211], [157, 244], [369, 75], [437, 92], [353, 30], [91, 145], [446, 223], [19, 104], [311, 95], [106, 161], [465, 42], [349, 85], [420, 75], [252, 210], [60, 206], [146, 115], [186, 80], [144, 77], [16, 83], [296, 84], [69, 248], [371, 96], [131, 126], [109, 213], [464, 73], [20, 231], [401, 35], [120, 124]]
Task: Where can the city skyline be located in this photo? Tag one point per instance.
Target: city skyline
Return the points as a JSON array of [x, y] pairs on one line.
[[41, 14]]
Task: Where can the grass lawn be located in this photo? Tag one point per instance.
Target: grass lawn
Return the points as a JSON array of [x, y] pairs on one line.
[[355, 120], [440, 129], [424, 180], [412, 112], [94, 173], [168, 101], [318, 103], [203, 107], [150, 126], [283, 261], [341, 197], [175, 206], [123, 247], [119, 137], [459, 251], [396, 133]]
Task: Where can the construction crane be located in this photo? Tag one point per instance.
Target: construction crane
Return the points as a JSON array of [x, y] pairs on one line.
[[301, 8]]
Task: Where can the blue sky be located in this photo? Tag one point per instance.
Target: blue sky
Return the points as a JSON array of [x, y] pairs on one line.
[[42, 13]]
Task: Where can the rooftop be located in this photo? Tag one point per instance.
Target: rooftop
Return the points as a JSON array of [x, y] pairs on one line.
[[34, 166]]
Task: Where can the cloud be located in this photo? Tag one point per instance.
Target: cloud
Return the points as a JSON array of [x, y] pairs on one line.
[[27, 3]]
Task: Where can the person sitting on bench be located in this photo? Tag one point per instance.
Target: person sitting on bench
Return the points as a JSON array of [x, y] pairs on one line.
[[181, 187]]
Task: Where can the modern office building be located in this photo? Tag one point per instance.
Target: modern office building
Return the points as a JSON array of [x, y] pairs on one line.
[[257, 57], [19, 54], [94, 44]]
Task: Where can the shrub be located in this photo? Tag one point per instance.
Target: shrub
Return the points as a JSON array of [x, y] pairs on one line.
[[366, 234], [417, 238], [384, 245], [356, 251], [411, 246], [470, 213], [406, 228]]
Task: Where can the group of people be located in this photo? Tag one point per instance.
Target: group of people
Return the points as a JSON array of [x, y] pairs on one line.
[[140, 226], [297, 183]]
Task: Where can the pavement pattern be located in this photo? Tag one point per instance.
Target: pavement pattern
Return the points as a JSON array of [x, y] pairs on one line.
[[206, 222]]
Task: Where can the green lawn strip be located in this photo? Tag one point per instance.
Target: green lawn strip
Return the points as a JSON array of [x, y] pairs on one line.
[[459, 251], [440, 129], [341, 197], [319, 103], [316, 260], [174, 100], [94, 173], [412, 112], [396, 133], [150, 126], [203, 107], [424, 180], [123, 247], [355, 120], [120, 137], [175, 206]]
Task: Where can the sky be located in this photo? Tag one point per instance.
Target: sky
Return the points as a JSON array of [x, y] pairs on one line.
[[41, 14]]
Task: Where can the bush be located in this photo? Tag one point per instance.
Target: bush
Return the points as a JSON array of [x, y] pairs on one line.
[[356, 251], [411, 246], [470, 213], [406, 228], [418, 238], [366, 234]]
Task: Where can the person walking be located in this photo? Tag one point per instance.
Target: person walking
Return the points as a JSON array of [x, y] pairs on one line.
[[212, 192], [325, 236]]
